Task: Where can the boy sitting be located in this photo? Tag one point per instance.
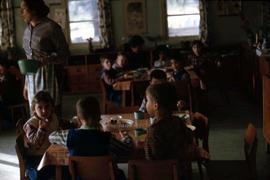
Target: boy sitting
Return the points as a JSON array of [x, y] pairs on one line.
[[88, 139], [157, 76], [109, 77], [168, 137], [179, 73]]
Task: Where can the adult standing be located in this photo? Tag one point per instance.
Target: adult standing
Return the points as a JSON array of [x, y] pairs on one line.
[[43, 40]]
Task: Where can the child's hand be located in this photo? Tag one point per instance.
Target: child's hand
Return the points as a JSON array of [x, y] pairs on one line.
[[43, 124]]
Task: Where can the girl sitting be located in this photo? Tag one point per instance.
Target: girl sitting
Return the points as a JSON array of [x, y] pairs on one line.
[[37, 130]]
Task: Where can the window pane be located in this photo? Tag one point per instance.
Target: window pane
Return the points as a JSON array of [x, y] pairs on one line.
[[80, 31], [182, 7], [187, 25], [83, 10]]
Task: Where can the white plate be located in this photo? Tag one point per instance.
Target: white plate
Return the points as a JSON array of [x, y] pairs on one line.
[[117, 125]]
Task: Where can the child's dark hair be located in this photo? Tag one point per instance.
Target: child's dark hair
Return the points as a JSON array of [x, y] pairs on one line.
[[158, 74], [179, 58], [165, 95], [42, 96], [103, 58], [136, 41], [121, 53], [88, 109], [162, 49]]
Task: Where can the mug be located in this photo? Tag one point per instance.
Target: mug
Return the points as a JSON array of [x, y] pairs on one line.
[[139, 132], [138, 115]]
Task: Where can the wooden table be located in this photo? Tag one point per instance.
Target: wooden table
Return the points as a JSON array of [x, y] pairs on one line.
[[58, 156], [264, 63], [127, 85]]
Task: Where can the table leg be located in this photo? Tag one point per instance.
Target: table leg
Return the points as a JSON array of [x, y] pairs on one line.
[[123, 98], [58, 172]]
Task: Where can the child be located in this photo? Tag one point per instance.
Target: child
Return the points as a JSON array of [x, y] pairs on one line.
[[198, 59], [135, 55], [37, 130], [157, 76], [109, 77], [168, 137], [88, 139], [179, 73], [120, 63], [163, 60]]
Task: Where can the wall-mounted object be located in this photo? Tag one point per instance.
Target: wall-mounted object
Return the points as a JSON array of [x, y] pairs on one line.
[[229, 7], [135, 17]]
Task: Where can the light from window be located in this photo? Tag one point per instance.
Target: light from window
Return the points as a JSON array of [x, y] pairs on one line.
[[83, 20], [183, 17]]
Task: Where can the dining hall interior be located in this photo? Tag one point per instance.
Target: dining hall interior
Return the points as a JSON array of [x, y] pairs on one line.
[[134, 89]]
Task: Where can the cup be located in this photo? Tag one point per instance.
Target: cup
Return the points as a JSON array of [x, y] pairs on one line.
[[139, 132], [138, 115], [151, 120]]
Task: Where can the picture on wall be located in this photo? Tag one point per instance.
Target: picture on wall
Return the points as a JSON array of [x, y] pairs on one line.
[[135, 17], [229, 7]]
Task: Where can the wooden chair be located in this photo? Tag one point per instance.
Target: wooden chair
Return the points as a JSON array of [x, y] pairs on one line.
[[105, 103], [155, 170], [238, 169], [20, 149], [98, 167]]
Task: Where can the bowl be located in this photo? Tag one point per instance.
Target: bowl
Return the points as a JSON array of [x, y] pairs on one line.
[[28, 66]]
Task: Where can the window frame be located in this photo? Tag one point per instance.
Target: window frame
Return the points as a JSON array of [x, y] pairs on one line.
[[165, 29], [81, 47]]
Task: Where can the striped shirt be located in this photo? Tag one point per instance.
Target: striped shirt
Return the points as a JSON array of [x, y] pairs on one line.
[[37, 138], [45, 38]]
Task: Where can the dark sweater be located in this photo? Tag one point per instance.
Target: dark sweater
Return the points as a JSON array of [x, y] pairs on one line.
[[85, 142]]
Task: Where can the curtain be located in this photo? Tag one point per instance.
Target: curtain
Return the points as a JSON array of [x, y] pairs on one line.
[[105, 19], [203, 21], [7, 36]]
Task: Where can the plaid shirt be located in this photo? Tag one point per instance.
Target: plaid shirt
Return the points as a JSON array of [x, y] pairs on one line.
[[173, 144]]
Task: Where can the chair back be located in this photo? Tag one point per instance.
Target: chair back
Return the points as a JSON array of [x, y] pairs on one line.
[[103, 95], [183, 91], [98, 167], [155, 170], [250, 148]]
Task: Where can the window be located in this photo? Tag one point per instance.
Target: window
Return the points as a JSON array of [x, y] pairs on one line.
[[183, 18], [83, 20]]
